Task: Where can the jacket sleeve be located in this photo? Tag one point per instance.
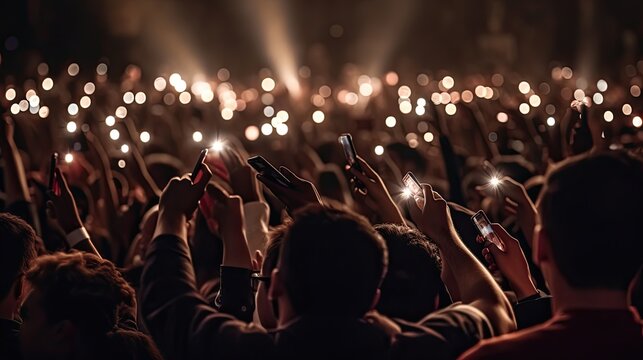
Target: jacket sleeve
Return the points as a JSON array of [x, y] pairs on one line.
[[181, 322]]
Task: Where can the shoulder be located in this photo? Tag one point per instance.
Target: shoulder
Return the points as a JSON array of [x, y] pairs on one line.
[[508, 346]]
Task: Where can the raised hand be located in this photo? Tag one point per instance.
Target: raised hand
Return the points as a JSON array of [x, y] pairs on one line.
[[376, 197], [432, 216], [511, 263], [299, 194]]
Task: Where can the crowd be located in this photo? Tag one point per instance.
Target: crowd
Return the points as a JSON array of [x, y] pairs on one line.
[[112, 249]]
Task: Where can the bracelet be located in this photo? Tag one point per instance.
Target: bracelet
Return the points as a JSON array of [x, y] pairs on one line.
[[76, 236]]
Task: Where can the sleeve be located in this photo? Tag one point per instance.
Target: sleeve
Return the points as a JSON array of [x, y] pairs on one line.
[[533, 310], [181, 322], [444, 334], [235, 295], [256, 224]]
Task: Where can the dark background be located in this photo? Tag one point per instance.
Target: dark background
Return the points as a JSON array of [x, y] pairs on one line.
[[198, 36]]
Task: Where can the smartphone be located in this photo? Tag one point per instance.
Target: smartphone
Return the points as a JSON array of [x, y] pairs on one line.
[[53, 182], [197, 167], [346, 140], [266, 169], [413, 185], [481, 221]]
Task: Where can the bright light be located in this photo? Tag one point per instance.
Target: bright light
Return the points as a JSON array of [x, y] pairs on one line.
[[318, 116], [140, 97], [601, 85], [407, 193], [110, 120], [121, 164], [227, 113], [217, 146], [524, 87], [282, 129], [598, 98], [175, 78], [579, 94], [124, 148], [197, 136], [448, 82], [637, 122], [524, 108], [450, 109], [252, 133], [420, 110], [351, 98], [72, 109], [268, 84], [494, 181], [404, 92], [145, 137], [24, 105], [534, 100], [121, 112], [101, 69], [379, 150], [421, 102], [15, 109], [180, 86], [266, 129], [47, 84], [502, 117], [480, 91], [69, 158], [467, 96], [34, 101], [89, 88], [391, 78], [160, 84], [567, 73], [85, 102], [627, 109], [73, 69], [366, 89], [185, 98], [268, 111], [114, 134], [551, 121], [608, 116], [390, 121], [428, 137], [43, 112], [283, 115], [406, 107], [635, 90], [71, 127], [10, 94]]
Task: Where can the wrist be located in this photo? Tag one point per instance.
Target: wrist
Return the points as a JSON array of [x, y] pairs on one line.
[[524, 289], [171, 222], [73, 224]]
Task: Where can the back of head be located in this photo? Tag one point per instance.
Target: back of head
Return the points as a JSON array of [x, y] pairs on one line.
[[591, 211], [332, 262], [85, 290], [412, 282], [18, 250]]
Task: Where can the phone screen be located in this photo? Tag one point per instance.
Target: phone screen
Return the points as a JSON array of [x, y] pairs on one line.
[[412, 184], [483, 224], [266, 169], [349, 150]]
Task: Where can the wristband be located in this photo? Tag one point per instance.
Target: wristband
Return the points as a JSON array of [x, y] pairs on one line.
[[76, 236]]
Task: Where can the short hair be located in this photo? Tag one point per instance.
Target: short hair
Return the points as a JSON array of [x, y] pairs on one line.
[[591, 210], [413, 280], [332, 261], [18, 250], [83, 288]]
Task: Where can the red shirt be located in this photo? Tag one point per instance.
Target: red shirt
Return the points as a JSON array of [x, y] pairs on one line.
[[572, 334]]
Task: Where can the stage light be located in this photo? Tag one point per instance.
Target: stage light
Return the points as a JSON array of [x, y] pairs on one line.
[[72, 109], [71, 127], [282, 129], [524, 87], [110, 120], [69, 158], [268, 111], [428, 137], [627, 109], [121, 164], [252, 133], [450, 109], [502, 117], [10, 94], [448, 82], [114, 134], [637, 122], [524, 108], [101, 69], [608, 116], [601, 85], [121, 112], [124, 148], [89, 88], [390, 121], [197, 136], [145, 137], [268, 84], [318, 116], [47, 84], [43, 112], [73, 69], [551, 121], [266, 129], [85, 102], [140, 98], [534, 100], [160, 84], [597, 98], [379, 150]]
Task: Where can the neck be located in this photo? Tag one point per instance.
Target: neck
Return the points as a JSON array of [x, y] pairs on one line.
[[589, 299]]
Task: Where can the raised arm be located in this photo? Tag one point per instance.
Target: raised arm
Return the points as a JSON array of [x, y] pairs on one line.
[[474, 284]]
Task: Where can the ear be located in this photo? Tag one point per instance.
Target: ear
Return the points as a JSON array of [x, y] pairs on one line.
[[277, 288], [541, 249], [376, 298]]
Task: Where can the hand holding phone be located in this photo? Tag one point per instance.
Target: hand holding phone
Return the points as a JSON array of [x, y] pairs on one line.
[[482, 223], [266, 169], [54, 185], [346, 140], [412, 184]]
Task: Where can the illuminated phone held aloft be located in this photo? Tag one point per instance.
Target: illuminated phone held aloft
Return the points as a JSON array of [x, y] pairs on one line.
[[483, 225], [412, 184]]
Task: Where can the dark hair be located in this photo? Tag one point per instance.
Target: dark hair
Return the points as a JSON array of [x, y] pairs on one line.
[[413, 280], [591, 211], [18, 250], [332, 262], [83, 288]]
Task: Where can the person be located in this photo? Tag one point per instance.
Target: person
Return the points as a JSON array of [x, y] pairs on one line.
[[18, 252], [588, 247], [80, 307], [412, 285]]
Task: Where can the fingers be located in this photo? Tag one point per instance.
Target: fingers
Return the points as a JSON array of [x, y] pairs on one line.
[[363, 178], [368, 170], [289, 174]]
